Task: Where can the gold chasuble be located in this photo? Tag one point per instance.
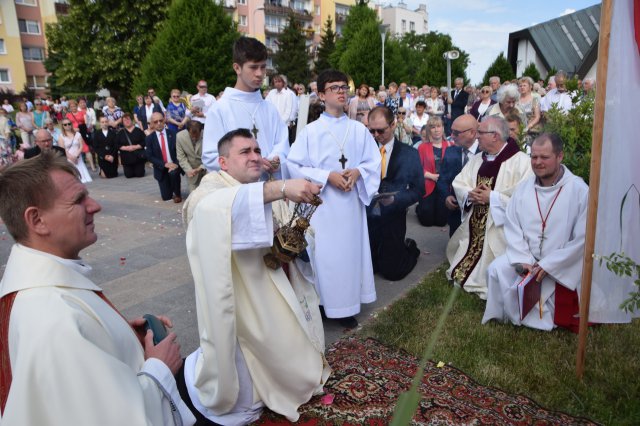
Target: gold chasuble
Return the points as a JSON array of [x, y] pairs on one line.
[[480, 238], [240, 301]]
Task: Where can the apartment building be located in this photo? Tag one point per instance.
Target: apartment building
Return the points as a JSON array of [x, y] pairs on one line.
[[23, 44]]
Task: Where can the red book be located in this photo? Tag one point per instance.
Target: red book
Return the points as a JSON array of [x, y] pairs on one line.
[[529, 291]]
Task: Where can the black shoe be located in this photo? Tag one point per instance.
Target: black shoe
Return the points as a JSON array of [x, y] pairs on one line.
[[412, 246], [322, 314], [348, 322]]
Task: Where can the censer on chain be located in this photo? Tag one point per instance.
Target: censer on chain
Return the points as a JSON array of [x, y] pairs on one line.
[[289, 240]]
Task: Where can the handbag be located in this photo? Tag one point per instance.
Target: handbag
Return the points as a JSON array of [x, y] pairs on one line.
[[132, 157]]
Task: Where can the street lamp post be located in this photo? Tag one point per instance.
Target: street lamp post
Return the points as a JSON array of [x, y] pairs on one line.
[[383, 34], [452, 54]]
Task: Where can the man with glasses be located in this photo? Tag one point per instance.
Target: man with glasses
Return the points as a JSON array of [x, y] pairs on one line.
[[404, 127], [340, 154], [483, 189], [200, 103], [242, 106], [160, 147], [393, 256], [463, 132], [44, 142], [151, 92]]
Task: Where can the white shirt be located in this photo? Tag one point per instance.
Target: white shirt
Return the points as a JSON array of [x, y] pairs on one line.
[[208, 101], [166, 144], [285, 102]]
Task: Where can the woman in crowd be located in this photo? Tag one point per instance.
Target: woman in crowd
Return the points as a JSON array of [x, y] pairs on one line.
[[435, 106], [361, 104], [90, 120], [24, 121], [39, 115], [481, 106], [508, 97], [77, 118], [131, 142], [113, 114], [392, 100], [136, 110], [431, 210], [71, 141], [6, 152], [404, 99], [176, 112], [6, 105], [418, 121], [529, 103], [404, 126]]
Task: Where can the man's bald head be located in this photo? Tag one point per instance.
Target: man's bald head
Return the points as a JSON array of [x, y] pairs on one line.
[[463, 130], [43, 139]]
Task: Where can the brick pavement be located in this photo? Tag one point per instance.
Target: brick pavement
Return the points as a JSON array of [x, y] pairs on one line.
[[140, 257]]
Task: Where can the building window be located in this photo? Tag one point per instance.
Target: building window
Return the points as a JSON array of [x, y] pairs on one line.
[[317, 10], [2, 48], [412, 26], [27, 2], [242, 1], [4, 76], [33, 53], [404, 26], [242, 20], [29, 27], [37, 81]]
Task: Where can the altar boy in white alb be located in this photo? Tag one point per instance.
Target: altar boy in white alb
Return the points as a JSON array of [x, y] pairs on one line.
[[342, 155], [242, 107], [544, 229]]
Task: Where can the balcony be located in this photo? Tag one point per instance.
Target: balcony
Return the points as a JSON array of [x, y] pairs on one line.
[[276, 8], [273, 29], [303, 14], [308, 33], [61, 8], [228, 5]]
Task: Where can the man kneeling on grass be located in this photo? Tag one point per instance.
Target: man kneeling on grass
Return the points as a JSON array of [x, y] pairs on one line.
[[545, 230]]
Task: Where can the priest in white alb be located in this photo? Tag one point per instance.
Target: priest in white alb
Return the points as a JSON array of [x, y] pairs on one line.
[[242, 106], [261, 335], [483, 189], [545, 231], [340, 154], [67, 356]]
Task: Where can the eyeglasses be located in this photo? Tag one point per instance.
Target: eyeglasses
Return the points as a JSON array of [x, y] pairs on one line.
[[45, 140], [402, 112], [202, 87], [455, 133], [337, 89], [66, 124], [485, 91], [379, 131], [485, 132], [158, 121]]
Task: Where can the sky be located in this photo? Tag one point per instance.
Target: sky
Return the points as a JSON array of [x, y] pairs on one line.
[[481, 27]]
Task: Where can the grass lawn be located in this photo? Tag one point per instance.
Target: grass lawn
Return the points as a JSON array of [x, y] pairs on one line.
[[540, 365]]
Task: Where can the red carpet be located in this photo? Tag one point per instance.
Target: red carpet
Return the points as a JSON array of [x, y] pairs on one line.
[[368, 377]]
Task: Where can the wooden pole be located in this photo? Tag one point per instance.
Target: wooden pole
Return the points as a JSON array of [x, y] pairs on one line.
[[594, 180]]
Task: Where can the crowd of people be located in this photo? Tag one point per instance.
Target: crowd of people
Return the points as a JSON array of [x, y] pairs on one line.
[[513, 211]]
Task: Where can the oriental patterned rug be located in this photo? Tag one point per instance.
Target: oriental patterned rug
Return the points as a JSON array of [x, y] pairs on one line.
[[368, 377]]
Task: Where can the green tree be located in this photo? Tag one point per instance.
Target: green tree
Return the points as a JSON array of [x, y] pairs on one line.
[[417, 59], [362, 59], [194, 43], [326, 47], [359, 16], [501, 68], [292, 58], [102, 43], [531, 71]]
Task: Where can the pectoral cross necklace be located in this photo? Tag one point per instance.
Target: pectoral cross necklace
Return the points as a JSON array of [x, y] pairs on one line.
[[343, 160], [545, 218], [254, 129]]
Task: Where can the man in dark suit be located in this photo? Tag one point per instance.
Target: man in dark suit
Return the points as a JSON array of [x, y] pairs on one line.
[[145, 111], [463, 131], [403, 183], [161, 152], [458, 100], [44, 142]]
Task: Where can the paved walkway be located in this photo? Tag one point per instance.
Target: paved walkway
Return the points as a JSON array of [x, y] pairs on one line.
[[140, 258]]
